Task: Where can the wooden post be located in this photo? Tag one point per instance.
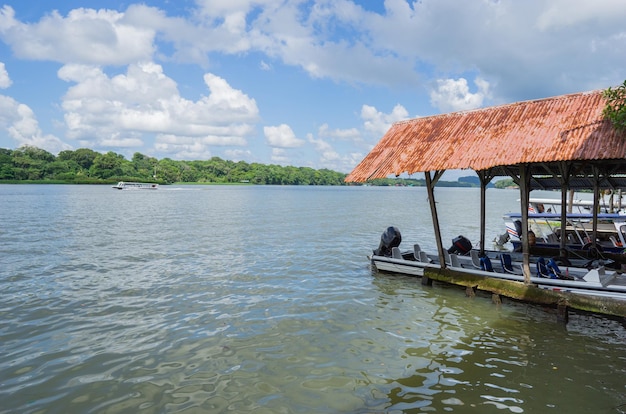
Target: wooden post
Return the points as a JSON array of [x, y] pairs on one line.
[[564, 169], [483, 190], [495, 298], [524, 188], [485, 178], [470, 291], [563, 240], [562, 313], [596, 207], [430, 187], [570, 205]]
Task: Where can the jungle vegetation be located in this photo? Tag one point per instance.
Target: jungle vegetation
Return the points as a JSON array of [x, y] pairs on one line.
[[85, 166], [29, 164]]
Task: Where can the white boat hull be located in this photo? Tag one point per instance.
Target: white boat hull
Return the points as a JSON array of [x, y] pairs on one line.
[[595, 282], [125, 185]]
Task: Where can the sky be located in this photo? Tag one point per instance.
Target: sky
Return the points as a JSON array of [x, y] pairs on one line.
[[307, 83]]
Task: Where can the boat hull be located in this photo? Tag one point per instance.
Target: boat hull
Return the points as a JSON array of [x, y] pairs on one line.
[[125, 185], [603, 283]]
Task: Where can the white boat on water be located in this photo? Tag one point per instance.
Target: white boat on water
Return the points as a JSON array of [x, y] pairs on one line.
[[544, 220], [127, 185], [595, 279]]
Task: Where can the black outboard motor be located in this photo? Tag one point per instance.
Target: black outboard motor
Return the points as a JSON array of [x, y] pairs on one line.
[[389, 239], [460, 245]]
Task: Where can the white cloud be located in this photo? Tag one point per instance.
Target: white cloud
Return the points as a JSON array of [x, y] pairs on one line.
[[332, 159], [85, 36], [563, 13], [282, 136], [349, 134], [501, 41], [326, 151], [182, 147], [279, 156], [238, 154], [121, 142], [377, 123], [5, 80], [21, 124], [523, 49], [454, 95], [340, 155], [119, 110], [514, 50]]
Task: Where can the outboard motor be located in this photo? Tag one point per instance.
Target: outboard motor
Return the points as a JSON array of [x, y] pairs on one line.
[[518, 229], [389, 239], [460, 245]]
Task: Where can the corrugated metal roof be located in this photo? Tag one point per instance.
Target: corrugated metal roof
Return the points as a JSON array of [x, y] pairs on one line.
[[562, 128]]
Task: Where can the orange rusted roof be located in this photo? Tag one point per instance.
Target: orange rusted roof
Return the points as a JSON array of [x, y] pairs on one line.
[[562, 128]]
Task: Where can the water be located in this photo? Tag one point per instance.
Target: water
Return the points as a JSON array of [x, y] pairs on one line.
[[260, 299]]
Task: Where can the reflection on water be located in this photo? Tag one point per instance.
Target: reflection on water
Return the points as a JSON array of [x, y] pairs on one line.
[[260, 299], [511, 357]]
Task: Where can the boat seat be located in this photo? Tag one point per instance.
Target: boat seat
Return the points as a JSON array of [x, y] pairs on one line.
[[482, 263], [507, 265], [424, 257], [454, 261], [446, 257], [552, 238], [396, 253], [475, 258], [542, 269], [485, 264], [416, 251]]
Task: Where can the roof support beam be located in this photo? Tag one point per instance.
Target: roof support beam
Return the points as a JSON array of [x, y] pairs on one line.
[[565, 169], [485, 177], [431, 180], [596, 207], [524, 188]]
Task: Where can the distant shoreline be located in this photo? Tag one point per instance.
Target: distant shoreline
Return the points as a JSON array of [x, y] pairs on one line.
[[454, 184]]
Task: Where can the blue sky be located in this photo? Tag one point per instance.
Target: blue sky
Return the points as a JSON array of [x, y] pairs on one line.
[[303, 83]]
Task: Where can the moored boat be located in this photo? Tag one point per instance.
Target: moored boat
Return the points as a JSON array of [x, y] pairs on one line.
[[544, 220], [127, 185], [584, 277]]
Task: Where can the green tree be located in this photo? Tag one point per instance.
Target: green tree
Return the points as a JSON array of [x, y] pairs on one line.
[[6, 164], [87, 166], [504, 183], [615, 109], [169, 171], [107, 165], [84, 157], [144, 166], [35, 153], [29, 162], [58, 168]]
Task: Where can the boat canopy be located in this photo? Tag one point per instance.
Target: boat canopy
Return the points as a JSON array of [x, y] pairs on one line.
[[558, 137]]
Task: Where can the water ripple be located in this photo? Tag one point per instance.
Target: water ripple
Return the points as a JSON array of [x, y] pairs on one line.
[[247, 299]]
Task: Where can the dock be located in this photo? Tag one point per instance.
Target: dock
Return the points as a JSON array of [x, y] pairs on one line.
[[560, 143]]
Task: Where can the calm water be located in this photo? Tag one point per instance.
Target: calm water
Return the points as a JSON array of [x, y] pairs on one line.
[[261, 299]]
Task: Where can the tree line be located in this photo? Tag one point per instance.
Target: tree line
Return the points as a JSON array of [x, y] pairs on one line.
[[85, 166]]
